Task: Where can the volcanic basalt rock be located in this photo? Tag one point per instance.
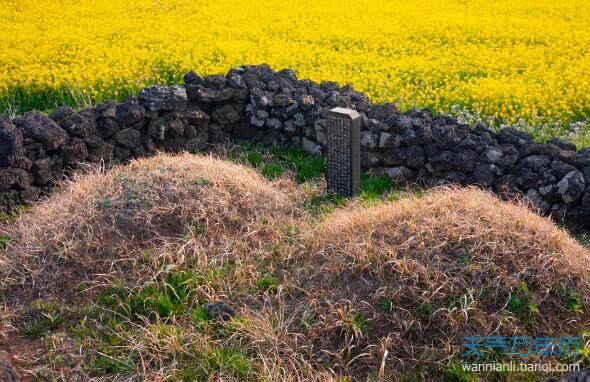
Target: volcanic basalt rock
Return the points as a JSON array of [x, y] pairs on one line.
[[277, 108]]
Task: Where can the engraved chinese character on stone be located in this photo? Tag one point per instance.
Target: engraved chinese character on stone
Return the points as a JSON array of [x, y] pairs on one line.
[[343, 151]]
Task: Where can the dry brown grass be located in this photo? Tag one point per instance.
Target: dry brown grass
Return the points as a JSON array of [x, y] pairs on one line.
[[448, 263], [368, 292], [107, 220]]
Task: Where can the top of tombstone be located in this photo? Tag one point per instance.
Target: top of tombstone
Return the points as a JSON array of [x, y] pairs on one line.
[[352, 114]]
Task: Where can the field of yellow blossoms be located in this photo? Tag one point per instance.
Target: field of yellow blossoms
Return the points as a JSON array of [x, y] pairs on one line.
[[522, 62]]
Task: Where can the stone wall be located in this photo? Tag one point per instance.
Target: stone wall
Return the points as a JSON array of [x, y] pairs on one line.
[[254, 102]]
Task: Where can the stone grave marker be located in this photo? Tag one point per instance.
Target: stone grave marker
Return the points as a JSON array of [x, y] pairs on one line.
[[343, 151]]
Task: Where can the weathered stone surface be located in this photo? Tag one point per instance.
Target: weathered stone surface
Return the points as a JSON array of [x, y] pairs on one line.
[[226, 116], [159, 97], [276, 108], [98, 150], [74, 152], [130, 112], [220, 310], [511, 135], [400, 174], [571, 186], [11, 143], [193, 78], [128, 138], [61, 113], [484, 174], [79, 125], [42, 129], [42, 170], [310, 146], [106, 128]]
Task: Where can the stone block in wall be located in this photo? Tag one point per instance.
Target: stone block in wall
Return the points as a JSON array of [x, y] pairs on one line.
[[194, 115], [74, 152], [106, 128], [160, 97], [98, 150], [128, 138], [14, 177], [130, 112], [227, 116], [11, 143], [61, 113], [42, 170], [42, 129], [79, 125]]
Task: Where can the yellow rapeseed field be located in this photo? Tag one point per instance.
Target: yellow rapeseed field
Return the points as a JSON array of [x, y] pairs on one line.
[[509, 60]]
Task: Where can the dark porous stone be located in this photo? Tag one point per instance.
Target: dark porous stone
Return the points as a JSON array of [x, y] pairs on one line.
[[444, 136], [216, 81], [551, 150], [310, 146], [455, 176], [255, 102], [130, 112], [396, 156], [424, 133], [193, 78], [382, 111], [157, 128], [61, 113], [536, 162], [400, 174], [329, 86], [79, 125], [571, 186], [128, 138], [492, 155], [11, 143], [399, 123], [371, 159], [484, 174], [234, 80], [121, 153], [107, 109], [98, 150], [369, 140], [42, 129], [415, 157], [562, 144], [441, 162], [512, 135], [534, 197], [74, 152], [159, 97], [197, 117], [220, 310], [527, 178], [465, 160], [530, 148], [560, 169], [14, 177], [550, 193], [226, 116], [106, 128], [506, 186], [42, 170], [244, 130]]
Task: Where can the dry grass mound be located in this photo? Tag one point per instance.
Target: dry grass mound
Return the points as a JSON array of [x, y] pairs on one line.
[[405, 280], [382, 292], [158, 210]]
